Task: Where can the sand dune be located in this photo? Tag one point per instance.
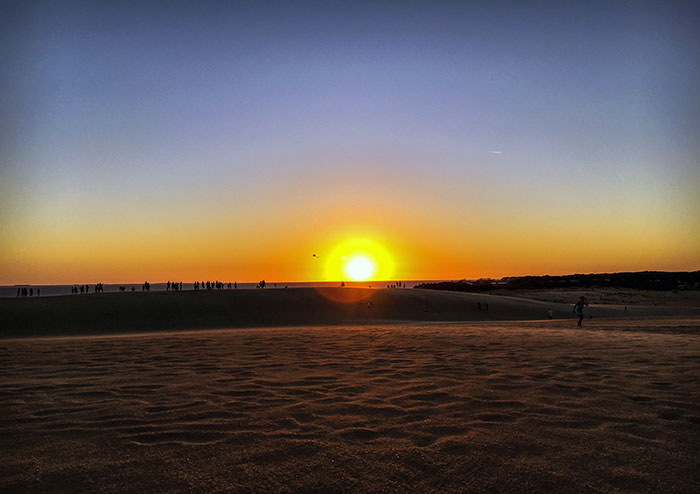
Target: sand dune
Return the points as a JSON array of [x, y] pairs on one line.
[[128, 312], [484, 407]]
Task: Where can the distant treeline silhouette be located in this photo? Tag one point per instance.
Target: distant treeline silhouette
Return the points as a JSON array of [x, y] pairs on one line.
[[643, 280]]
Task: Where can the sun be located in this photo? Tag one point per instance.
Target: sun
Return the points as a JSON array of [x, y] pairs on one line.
[[359, 268], [358, 260]]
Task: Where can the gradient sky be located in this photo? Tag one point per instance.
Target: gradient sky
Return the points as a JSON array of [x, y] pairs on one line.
[[233, 141]]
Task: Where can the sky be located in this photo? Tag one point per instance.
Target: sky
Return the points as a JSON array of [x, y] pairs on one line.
[[248, 140]]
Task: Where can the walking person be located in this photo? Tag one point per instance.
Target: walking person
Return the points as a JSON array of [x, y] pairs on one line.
[[578, 308]]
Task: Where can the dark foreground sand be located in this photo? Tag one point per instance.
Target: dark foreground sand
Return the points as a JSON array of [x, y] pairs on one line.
[[485, 407]]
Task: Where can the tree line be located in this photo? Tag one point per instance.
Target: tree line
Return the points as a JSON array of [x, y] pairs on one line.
[[642, 280]]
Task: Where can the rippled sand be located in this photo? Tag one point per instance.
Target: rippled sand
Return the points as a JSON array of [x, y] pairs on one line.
[[496, 407]]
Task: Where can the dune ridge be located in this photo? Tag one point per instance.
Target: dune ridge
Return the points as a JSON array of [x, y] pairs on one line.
[[163, 311]]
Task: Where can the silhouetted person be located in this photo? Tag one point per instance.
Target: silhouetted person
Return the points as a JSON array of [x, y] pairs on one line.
[[38, 292], [550, 313], [578, 308], [19, 290], [478, 305]]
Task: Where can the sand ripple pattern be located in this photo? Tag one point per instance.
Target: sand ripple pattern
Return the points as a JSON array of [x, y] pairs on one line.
[[506, 407]]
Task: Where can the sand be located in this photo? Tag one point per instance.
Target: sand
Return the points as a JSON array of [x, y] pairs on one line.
[[168, 311], [511, 407], [631, 298]]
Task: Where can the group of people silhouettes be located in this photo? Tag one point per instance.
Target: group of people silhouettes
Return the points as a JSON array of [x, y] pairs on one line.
[[398, 284], [174, 286], [28, 291], [75, 289], [213, 285]]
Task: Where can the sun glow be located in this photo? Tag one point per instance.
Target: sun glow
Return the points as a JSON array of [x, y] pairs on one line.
[[359, 260]]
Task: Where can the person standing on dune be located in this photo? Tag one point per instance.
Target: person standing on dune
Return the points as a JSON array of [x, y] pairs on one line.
[[578, 308]]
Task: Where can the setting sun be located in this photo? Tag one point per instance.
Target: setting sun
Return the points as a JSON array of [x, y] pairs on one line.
[[359, 260], [359, 268]]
